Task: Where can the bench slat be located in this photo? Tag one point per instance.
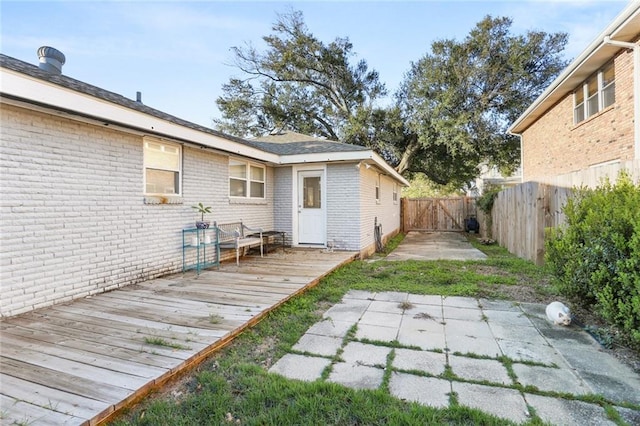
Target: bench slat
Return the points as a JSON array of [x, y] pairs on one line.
[[231, 236]]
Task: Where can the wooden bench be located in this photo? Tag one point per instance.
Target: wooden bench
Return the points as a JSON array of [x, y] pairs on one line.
[[232, 236]]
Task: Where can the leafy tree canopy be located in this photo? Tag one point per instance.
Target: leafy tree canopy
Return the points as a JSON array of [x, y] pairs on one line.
[[452, 111], [302, 84], [459, 100]]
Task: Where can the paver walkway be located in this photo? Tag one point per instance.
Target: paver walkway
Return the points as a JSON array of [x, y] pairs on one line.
[[502, 358]]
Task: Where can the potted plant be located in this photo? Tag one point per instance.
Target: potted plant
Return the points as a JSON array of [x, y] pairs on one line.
[[202, 209]]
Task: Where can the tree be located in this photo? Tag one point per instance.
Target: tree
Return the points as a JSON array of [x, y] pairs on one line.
[[452, 109], [302, 84], [459, 100]]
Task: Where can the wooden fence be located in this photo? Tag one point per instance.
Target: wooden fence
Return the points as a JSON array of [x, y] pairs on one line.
[[521, 214], [436, 214]]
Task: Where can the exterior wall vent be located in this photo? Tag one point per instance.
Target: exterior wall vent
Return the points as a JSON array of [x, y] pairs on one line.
[[51, 60]]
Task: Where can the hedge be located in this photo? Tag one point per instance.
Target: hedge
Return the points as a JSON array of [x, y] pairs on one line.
[[595, 258]]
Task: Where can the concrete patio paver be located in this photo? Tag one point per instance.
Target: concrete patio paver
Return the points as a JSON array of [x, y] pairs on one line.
[[377, 333], [568, 412], [488, 370], [356, 376], [561, 380], [301, 367], [318, 345], [506, 403], [478, 340], [362, 354], [424, 390], [429, 362], [477, 350]]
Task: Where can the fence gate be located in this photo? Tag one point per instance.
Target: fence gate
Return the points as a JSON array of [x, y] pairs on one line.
[[436, 214]]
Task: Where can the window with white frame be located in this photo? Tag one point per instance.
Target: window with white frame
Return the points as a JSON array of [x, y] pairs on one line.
[[395, 193], [246, 179], [377, 188], [595, 94], [162, 167]]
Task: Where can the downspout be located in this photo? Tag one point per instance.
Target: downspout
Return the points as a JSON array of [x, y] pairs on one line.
[[636, 88]]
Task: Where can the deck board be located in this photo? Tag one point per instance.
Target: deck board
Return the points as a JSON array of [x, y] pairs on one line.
[[80, 362]]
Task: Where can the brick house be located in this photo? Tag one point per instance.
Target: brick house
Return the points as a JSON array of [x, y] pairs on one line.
[[589, 116], [96, 188]]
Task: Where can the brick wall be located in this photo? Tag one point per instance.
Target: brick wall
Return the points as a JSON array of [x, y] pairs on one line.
[[553, 145], [343, 209], [73, 218], [283, 202], [386, 211]]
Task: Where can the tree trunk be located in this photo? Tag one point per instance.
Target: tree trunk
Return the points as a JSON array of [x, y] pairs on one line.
[[407, 155]]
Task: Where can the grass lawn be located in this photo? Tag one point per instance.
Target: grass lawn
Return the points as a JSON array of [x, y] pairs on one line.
[[233, 387]]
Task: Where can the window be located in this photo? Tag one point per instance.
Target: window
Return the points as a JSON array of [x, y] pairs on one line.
[[395, 193], [592, 96], [578, 110], [378, 189], [595, 94], [162, 168], [608, 86], [246, 179]]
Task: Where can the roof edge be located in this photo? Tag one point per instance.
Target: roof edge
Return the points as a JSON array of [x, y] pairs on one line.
[[631, 11]]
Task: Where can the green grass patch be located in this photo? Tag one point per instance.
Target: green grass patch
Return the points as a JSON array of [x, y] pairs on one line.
[[159, 341], [248, 394]]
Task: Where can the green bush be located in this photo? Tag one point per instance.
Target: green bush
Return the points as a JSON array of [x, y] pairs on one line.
[[596, 256], [485, 201]]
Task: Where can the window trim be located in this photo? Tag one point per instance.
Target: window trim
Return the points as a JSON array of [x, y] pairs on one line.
[[145, 141], [583, 109], [247, 180], [377, 189], [395, 193]]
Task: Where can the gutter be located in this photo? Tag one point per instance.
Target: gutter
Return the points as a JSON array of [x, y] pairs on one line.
[[636, 88], [628, 14]]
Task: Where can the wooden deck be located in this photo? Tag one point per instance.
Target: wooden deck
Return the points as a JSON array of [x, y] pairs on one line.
[[79, 363]]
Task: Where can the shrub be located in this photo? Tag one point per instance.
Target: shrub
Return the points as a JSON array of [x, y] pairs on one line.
[[596, 256], [485, 201], [485, 204]]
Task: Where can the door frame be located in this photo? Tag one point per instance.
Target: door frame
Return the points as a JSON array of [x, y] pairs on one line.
[[322, 168]]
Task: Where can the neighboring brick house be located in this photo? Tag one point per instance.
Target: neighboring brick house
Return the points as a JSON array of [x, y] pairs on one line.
[[95, 188], [589, 116]]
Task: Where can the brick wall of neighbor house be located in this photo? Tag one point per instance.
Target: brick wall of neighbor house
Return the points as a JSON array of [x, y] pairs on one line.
[[386, 211], [553, 145], [282, 201], [343, 209], [73, 221]]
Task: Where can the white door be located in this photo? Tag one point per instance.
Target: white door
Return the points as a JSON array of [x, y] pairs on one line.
[[311, 215]]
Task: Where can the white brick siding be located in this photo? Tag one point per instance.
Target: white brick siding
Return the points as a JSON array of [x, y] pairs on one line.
[[386, 211], [283, 202], [73, 220], [343, 209]]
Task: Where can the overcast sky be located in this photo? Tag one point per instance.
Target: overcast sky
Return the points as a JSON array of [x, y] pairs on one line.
[[178, 53]]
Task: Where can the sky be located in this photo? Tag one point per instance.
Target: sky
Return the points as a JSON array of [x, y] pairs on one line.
[[178, 53]]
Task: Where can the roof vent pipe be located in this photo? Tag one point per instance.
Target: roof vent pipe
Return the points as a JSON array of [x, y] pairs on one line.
[[139, 97], [51, 60]]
